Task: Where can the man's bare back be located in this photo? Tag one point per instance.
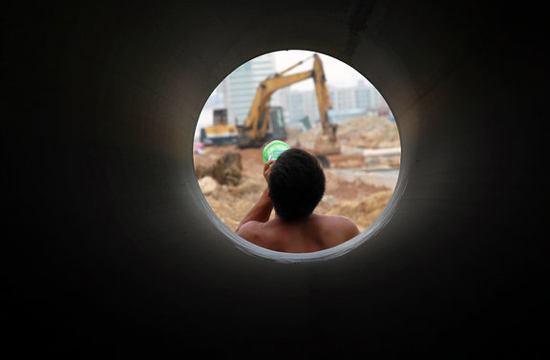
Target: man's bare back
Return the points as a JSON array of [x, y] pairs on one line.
[[313, 233], [308, 234]]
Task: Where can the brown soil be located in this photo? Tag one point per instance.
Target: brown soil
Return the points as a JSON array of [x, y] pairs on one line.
[[357, 200]]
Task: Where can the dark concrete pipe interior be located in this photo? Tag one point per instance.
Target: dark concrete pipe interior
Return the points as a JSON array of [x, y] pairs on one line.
[[112, 244]]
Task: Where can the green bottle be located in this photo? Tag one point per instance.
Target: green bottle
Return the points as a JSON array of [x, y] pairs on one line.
[[274, 149]]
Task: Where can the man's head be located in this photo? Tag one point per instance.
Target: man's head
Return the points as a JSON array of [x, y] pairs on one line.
[[296, 184]]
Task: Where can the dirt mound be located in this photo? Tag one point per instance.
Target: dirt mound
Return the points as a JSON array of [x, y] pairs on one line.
[[369, 133], [226, 170], [363, 211], [362, 132], [231, 203]]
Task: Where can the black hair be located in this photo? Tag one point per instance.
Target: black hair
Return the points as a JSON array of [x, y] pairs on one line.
[[296, 184]]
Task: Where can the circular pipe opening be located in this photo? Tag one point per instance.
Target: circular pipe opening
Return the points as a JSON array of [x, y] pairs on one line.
[[221, 121]]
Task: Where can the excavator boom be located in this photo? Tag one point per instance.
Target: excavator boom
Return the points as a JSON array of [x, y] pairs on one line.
[[327, 142], [253, 132]]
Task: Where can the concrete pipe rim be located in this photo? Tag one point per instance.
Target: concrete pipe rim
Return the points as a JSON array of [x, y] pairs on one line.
[[380, 223]]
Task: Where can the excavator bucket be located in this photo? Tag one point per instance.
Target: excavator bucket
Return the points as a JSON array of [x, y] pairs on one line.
[[325, 146], [327, 142], [247, 141]]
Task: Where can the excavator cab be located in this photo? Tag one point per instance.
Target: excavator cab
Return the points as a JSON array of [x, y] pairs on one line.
[[277, 124], [274, 129]]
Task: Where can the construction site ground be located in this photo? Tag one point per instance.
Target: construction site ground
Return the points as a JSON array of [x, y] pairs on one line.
[[359, 182]]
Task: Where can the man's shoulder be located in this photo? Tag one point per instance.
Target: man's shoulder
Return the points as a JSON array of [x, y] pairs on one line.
[[250, 228], [335, 219], [338, 223], [257, 232]]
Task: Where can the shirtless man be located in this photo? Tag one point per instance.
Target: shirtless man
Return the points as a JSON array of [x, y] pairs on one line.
[[296, 184]]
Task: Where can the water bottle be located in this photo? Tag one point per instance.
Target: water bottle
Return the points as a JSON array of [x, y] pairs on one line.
[[274, 149]]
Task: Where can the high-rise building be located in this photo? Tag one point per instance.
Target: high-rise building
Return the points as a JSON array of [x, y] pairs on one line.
[[363, 96], [342, 98], [240, 86], [347, 102]]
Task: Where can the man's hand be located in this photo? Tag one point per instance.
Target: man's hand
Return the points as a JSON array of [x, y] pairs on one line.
[[267, 170]]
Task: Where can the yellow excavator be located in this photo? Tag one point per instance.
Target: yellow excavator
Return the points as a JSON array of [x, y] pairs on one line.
[[253, 133]]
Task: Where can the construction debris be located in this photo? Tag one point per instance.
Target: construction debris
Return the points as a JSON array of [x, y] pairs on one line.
[[208, 185], [226, 171]]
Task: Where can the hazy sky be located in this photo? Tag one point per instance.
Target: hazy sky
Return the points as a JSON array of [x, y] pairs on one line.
[[337, 73]]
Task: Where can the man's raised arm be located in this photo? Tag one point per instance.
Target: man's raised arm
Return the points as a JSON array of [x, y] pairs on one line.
[[261, 211]]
